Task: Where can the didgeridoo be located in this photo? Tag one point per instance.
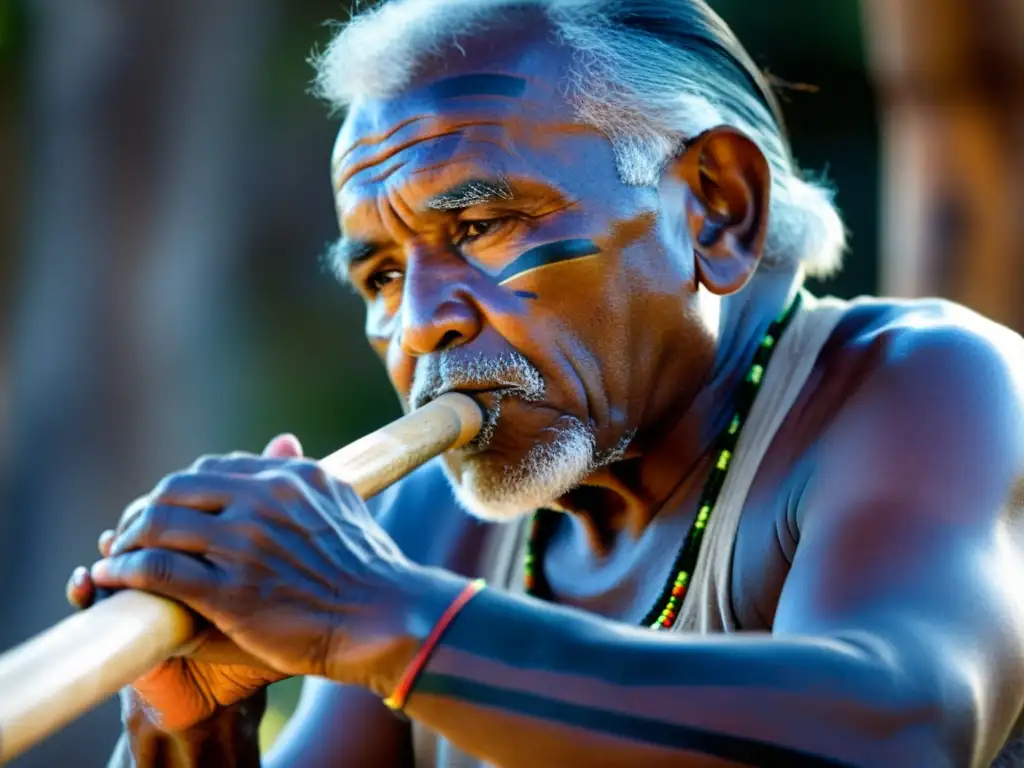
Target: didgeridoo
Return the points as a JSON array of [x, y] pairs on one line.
[[76, 664]]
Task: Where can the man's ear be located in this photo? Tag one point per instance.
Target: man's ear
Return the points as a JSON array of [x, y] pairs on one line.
[[729, 185]]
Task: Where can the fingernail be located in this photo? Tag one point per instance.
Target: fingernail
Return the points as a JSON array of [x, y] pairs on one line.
[[78, 576], [285, 445], [100, 569]]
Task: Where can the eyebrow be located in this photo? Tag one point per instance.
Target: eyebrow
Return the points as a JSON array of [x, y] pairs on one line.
[[470, 193], [343, 254]]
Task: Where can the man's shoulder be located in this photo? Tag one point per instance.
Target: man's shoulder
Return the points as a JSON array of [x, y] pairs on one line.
[[918, 407], [912, 348], [916, 322], [924, 391]]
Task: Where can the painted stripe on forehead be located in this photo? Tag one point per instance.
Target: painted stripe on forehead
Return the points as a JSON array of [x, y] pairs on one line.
[[545, 255], [476, 85]]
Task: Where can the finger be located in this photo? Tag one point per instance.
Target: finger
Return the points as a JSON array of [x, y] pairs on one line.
[[239, 462], [282, 494], [309, 472], [236, 463], [181, 529], [161, 571], [205, 491], [79, 590], [131, 511], [105, 540], [283, 446], [308, 498]]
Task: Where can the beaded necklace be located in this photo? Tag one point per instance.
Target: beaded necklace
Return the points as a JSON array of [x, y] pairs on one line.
[[665, 611]]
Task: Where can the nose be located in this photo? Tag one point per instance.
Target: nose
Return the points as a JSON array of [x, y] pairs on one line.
[[437, 313]]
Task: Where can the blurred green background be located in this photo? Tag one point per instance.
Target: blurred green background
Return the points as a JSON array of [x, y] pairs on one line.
[[164, 199]]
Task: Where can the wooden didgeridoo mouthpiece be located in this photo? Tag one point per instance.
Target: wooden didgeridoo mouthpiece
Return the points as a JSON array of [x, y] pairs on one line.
[[67, 670]]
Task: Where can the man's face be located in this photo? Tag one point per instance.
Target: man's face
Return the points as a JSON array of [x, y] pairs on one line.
[[498, 252]]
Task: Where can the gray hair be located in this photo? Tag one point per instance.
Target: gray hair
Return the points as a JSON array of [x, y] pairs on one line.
[[646, 89]]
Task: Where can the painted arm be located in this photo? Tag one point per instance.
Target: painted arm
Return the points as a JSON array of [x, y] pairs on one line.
[[898, 639]]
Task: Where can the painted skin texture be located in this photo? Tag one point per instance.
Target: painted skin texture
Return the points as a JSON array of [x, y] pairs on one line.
[[875, 561]]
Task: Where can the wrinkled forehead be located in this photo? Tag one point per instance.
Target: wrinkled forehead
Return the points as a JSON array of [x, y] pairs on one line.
[[515, 88]]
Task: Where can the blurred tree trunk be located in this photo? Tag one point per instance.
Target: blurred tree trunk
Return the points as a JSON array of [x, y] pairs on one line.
[[951, 79], [125, 340]]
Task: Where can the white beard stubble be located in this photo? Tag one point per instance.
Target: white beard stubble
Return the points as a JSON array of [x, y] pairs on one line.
[[483, 484]]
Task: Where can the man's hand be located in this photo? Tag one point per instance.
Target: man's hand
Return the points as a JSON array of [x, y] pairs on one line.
[[285, 562], [182, 692]]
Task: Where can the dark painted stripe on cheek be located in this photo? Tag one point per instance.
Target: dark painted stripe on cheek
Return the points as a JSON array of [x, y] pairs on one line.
[[654, 732], [477, 85], [527, 295], [545, 255]]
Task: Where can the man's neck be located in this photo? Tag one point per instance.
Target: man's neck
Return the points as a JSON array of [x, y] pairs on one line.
[[674, 451]]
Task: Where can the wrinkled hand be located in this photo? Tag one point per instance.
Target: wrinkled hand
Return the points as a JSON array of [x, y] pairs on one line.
[[180, 693], [283, 560]]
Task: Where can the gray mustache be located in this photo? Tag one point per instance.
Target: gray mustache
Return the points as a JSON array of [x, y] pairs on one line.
[[438, 374]]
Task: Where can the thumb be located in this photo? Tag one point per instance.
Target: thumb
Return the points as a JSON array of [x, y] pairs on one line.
[[283, 447]]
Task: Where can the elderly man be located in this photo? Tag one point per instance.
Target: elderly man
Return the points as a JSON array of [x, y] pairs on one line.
[[722, 522]]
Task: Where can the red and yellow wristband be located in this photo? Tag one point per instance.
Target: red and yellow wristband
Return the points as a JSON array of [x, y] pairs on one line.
[[398, 698]]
